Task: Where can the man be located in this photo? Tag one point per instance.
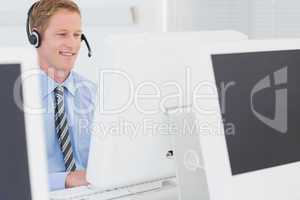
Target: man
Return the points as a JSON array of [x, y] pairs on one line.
[[66, 96]]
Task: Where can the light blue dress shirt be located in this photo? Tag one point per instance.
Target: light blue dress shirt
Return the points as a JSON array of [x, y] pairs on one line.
[[79, 99]]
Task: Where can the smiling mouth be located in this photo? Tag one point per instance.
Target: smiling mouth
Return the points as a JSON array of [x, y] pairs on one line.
[[66, 53]]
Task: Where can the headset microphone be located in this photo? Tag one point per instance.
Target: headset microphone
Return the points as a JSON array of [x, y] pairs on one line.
[[83, 38], [35, 39]]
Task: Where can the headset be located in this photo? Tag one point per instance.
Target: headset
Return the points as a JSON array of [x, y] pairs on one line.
[[34, 36]]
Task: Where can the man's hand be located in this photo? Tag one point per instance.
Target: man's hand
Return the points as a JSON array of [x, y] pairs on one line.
[[76, 178]]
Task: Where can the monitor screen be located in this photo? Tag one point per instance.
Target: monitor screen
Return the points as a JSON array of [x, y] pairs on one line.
[[14, 169], [259, 99]]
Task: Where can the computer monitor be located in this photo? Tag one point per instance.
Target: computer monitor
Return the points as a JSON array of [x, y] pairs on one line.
[[130, 141], [23, 166], [249, 140]]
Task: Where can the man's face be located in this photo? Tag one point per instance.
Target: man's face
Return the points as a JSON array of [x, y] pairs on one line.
[[61, 41]]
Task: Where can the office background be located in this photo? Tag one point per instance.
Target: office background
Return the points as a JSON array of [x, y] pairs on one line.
[[256, 18]]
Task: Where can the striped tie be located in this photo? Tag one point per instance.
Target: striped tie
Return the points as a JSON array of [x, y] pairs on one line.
[[61, 126]]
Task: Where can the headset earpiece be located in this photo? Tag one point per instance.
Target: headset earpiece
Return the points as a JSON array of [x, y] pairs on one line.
[[35, 39]]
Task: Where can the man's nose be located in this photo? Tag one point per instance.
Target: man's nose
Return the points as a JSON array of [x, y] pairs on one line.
[[72, 41]]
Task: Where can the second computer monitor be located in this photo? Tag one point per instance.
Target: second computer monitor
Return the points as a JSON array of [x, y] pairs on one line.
[[250, 143]]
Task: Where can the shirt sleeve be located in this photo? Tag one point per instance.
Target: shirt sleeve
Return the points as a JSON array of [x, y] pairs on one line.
[[57, 180]]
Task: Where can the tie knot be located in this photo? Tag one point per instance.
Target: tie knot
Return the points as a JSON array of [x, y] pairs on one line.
[[59, 89], [59, 93]]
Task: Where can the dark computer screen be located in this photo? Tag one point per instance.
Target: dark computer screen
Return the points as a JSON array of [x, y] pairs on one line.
[[14, 170], [262, 102]]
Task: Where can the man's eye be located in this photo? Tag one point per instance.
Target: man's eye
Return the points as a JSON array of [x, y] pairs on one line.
[[62, 34], [77, 35]]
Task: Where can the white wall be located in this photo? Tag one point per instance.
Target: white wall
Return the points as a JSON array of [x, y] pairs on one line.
[[212, 15], [275, 18], [256, 18]]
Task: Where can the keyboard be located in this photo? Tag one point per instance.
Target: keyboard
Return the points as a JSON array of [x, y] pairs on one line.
[[92, 193]]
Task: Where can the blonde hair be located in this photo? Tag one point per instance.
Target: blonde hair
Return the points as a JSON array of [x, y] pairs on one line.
[[43, 10]]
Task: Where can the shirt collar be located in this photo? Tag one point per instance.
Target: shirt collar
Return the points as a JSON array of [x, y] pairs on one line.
[[48, 84]]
